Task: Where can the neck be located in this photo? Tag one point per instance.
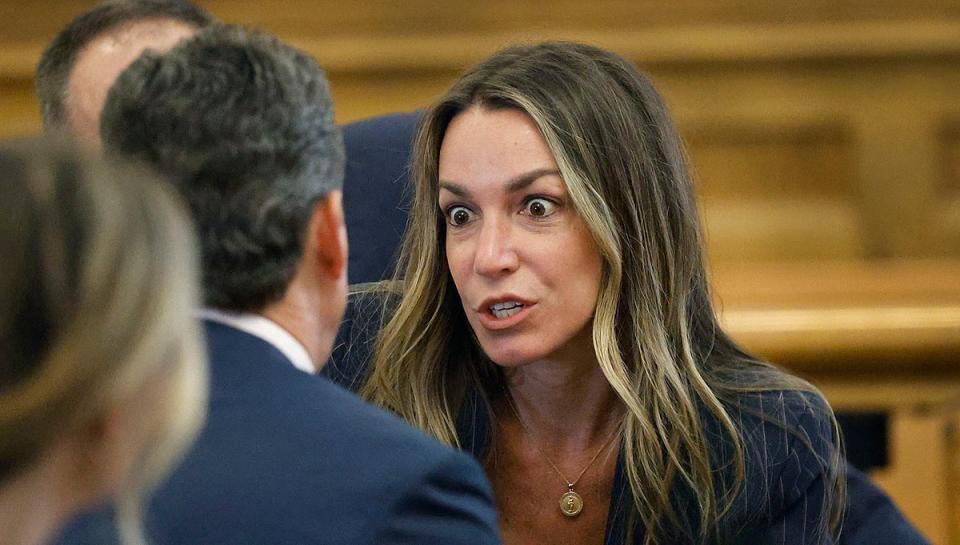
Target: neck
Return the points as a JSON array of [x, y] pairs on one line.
[[564, 404], [298, 313]]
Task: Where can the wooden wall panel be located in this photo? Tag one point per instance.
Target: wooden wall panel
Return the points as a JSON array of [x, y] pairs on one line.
[[816, 128], [19, 113], [920, 461], [25, 19], [947, 207], [358, 95], [775, 161], [775, 192]]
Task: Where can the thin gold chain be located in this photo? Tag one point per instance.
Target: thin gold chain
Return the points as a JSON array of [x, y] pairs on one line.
[[570, 484]]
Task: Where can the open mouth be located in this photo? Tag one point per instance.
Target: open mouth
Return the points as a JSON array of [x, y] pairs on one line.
[[506, 309]]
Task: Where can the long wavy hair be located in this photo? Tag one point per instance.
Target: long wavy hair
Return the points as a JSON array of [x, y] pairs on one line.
[[655, 333], [97, 290]]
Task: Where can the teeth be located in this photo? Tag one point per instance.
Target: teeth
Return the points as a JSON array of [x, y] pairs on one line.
[[504, 310]]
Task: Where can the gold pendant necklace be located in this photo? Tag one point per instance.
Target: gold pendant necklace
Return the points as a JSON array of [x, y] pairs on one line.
[[571, 503]]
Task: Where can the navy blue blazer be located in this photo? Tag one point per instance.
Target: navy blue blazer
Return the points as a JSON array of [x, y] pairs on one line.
[[288, 458], [783, 489], [780, 496], [376, 198]]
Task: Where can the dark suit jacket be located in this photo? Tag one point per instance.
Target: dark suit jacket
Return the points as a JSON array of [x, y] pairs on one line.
[[790, 471], [288, 458], [376, 196], [783, 489]]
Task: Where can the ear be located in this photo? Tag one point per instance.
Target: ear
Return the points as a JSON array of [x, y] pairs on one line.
[[328, 236]]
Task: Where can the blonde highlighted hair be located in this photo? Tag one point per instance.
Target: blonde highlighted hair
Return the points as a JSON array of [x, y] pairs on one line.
[[682, 380], [97, 290]]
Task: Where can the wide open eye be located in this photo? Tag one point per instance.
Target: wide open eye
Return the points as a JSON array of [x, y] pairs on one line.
[[458, 216], [539, 207]]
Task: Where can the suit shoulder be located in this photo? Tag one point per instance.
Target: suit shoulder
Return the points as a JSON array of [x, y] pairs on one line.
[[437, 494], [393, 131], [787, 424], [360, 422], [449, 501], [790, 453]]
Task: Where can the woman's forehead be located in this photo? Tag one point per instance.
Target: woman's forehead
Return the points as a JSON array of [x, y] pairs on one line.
[[498, 147], [537, 180]]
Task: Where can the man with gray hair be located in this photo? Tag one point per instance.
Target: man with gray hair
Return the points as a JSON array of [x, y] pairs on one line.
[[243, 126], [80, 64]]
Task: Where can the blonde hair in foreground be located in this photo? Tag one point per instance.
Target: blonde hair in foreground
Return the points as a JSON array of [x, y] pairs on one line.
[[655, 332], [97, 290]]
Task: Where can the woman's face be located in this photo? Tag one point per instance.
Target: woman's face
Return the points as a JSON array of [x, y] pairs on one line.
[[524, 263]]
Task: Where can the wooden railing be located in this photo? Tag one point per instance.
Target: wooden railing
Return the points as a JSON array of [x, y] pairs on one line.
[[875, 337]]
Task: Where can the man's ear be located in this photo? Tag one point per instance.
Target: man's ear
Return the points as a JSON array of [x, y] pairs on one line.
[[328, 236]]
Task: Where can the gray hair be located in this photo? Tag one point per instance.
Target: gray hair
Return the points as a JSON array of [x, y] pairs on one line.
[[56, 63], [244, 126]]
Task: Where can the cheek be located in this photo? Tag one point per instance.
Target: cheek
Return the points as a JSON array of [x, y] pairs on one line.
[[587, 265], [459, 260]]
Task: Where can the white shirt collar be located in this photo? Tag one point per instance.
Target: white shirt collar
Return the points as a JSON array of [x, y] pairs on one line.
[[266, 329]]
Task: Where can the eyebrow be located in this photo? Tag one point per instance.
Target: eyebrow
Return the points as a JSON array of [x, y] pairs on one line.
[[517, 183]]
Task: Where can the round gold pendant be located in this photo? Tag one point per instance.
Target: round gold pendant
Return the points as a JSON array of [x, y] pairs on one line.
[[571, 504]]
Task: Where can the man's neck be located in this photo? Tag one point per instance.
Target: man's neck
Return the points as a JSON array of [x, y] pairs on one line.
[[299, 317]]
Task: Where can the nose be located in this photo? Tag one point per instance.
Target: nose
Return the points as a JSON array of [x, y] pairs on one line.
[[496, 253]]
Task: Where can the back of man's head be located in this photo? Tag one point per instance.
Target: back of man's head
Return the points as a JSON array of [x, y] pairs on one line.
[[243, 124], [60, 57]]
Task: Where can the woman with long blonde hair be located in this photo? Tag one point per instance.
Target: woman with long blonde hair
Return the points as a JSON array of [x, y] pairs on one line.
[[102, 374], [552, 315]]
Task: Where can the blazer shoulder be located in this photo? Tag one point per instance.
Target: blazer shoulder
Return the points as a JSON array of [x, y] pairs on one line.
[[391, 131], [449, 501], [792, 462], [362, 427], [428, 492]]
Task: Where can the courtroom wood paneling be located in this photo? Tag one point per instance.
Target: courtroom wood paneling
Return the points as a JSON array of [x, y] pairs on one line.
[[953, 477], [761, 184], [356, 94], [789, 161], [816, 128], [875, 337], [19, 113], [827, 319], [946, 210], [24, 19], [920, 464]]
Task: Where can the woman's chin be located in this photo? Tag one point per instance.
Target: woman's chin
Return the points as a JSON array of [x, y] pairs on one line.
[[510, 358]]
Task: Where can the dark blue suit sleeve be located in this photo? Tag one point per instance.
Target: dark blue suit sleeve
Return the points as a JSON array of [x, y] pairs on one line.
[[452, 504], [376, 192], [872, 518]]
